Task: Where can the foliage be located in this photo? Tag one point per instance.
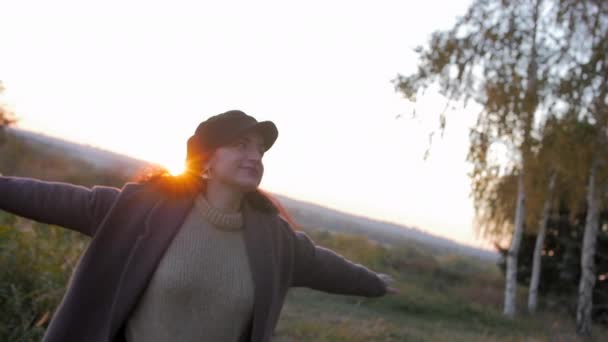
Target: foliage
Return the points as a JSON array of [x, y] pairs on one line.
[[524, 62], [37, 259], [564, 147], [36, 263], [354, 247]]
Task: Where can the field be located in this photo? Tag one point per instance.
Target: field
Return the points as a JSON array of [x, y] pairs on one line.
[[450, 298], [443, 298]]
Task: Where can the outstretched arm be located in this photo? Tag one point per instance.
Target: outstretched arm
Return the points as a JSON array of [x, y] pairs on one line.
[[322, 269], [71, 206]]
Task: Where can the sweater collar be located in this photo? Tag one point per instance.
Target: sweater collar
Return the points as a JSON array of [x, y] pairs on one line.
[[217, 217]]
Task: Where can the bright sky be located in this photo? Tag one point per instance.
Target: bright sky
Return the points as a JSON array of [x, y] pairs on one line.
[[138, 76]]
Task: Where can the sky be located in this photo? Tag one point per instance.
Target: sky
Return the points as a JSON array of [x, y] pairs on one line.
[[136, 77]]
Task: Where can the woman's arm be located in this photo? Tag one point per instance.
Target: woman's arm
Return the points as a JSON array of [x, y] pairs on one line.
[[71, 206], [322, 269]]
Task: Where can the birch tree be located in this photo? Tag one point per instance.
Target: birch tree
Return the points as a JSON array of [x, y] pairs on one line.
[[520, 60], [562, 150], [559, 154], [584, 91], [497, 55], [538, 247]]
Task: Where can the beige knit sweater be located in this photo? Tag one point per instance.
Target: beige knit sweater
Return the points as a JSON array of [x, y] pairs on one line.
[[202, 289]]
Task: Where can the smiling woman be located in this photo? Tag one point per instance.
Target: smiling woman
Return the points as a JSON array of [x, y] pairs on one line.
[[202, 256]]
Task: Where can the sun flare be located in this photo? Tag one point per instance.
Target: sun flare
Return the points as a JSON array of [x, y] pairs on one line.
[[176, 169]]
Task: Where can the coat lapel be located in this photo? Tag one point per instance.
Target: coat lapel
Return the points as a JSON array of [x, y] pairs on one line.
[[160, 227], [261, 262]]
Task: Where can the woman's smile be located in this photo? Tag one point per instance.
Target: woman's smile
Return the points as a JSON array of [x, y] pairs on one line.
[[251, 170]]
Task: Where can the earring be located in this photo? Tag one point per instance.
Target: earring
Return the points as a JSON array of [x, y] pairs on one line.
[[206, 173]]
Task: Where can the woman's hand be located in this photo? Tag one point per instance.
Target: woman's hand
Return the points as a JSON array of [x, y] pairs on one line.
[[388, 281]]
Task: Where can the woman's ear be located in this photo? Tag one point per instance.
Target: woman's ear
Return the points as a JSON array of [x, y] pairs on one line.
[[207, 167], [206, 173]]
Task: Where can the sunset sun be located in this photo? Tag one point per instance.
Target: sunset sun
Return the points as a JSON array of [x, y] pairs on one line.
[[176, 169]]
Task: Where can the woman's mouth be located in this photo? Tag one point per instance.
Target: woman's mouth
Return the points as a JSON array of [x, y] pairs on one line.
[[251, 170]]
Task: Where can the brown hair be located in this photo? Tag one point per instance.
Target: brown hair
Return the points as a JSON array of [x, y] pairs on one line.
[[198, 153], [190, 182]]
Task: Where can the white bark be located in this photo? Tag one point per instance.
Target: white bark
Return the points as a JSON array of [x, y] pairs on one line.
[[538, 247], [520, 210], [511, 271], [587, 281]]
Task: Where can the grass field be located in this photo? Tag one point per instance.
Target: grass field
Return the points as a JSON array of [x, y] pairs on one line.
[[441, 298], [450, 298]]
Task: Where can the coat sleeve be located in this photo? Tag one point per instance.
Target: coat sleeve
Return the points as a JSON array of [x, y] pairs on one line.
[[71, 206], [322, 269]]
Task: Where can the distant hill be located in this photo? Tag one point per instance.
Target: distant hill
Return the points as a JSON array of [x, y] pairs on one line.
[[100, 158], [309, 215], [314, 216]]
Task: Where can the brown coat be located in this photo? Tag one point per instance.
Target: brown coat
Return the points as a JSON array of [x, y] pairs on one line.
[[132, 227]]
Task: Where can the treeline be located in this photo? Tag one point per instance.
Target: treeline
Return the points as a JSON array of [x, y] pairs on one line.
[[565, 212]]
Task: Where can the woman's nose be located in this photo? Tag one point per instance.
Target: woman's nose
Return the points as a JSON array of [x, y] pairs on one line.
[[255, 154]]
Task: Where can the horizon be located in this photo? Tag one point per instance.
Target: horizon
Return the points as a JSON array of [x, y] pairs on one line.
[[341, 211], [140, 86]]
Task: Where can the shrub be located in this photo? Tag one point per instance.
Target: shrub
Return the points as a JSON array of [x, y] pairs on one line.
[[353, 247], [36, 264]]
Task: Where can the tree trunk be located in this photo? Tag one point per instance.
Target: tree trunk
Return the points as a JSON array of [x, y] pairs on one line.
[[587, 281], [511, 272], [538, 247], [530, 103]]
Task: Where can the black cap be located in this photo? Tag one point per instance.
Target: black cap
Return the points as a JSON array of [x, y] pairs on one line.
[[222, 129]]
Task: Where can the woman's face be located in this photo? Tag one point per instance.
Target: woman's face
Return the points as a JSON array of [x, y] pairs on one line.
[[239, 164]]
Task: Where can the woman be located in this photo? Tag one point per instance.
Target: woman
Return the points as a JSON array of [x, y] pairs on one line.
[[201, 256]]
